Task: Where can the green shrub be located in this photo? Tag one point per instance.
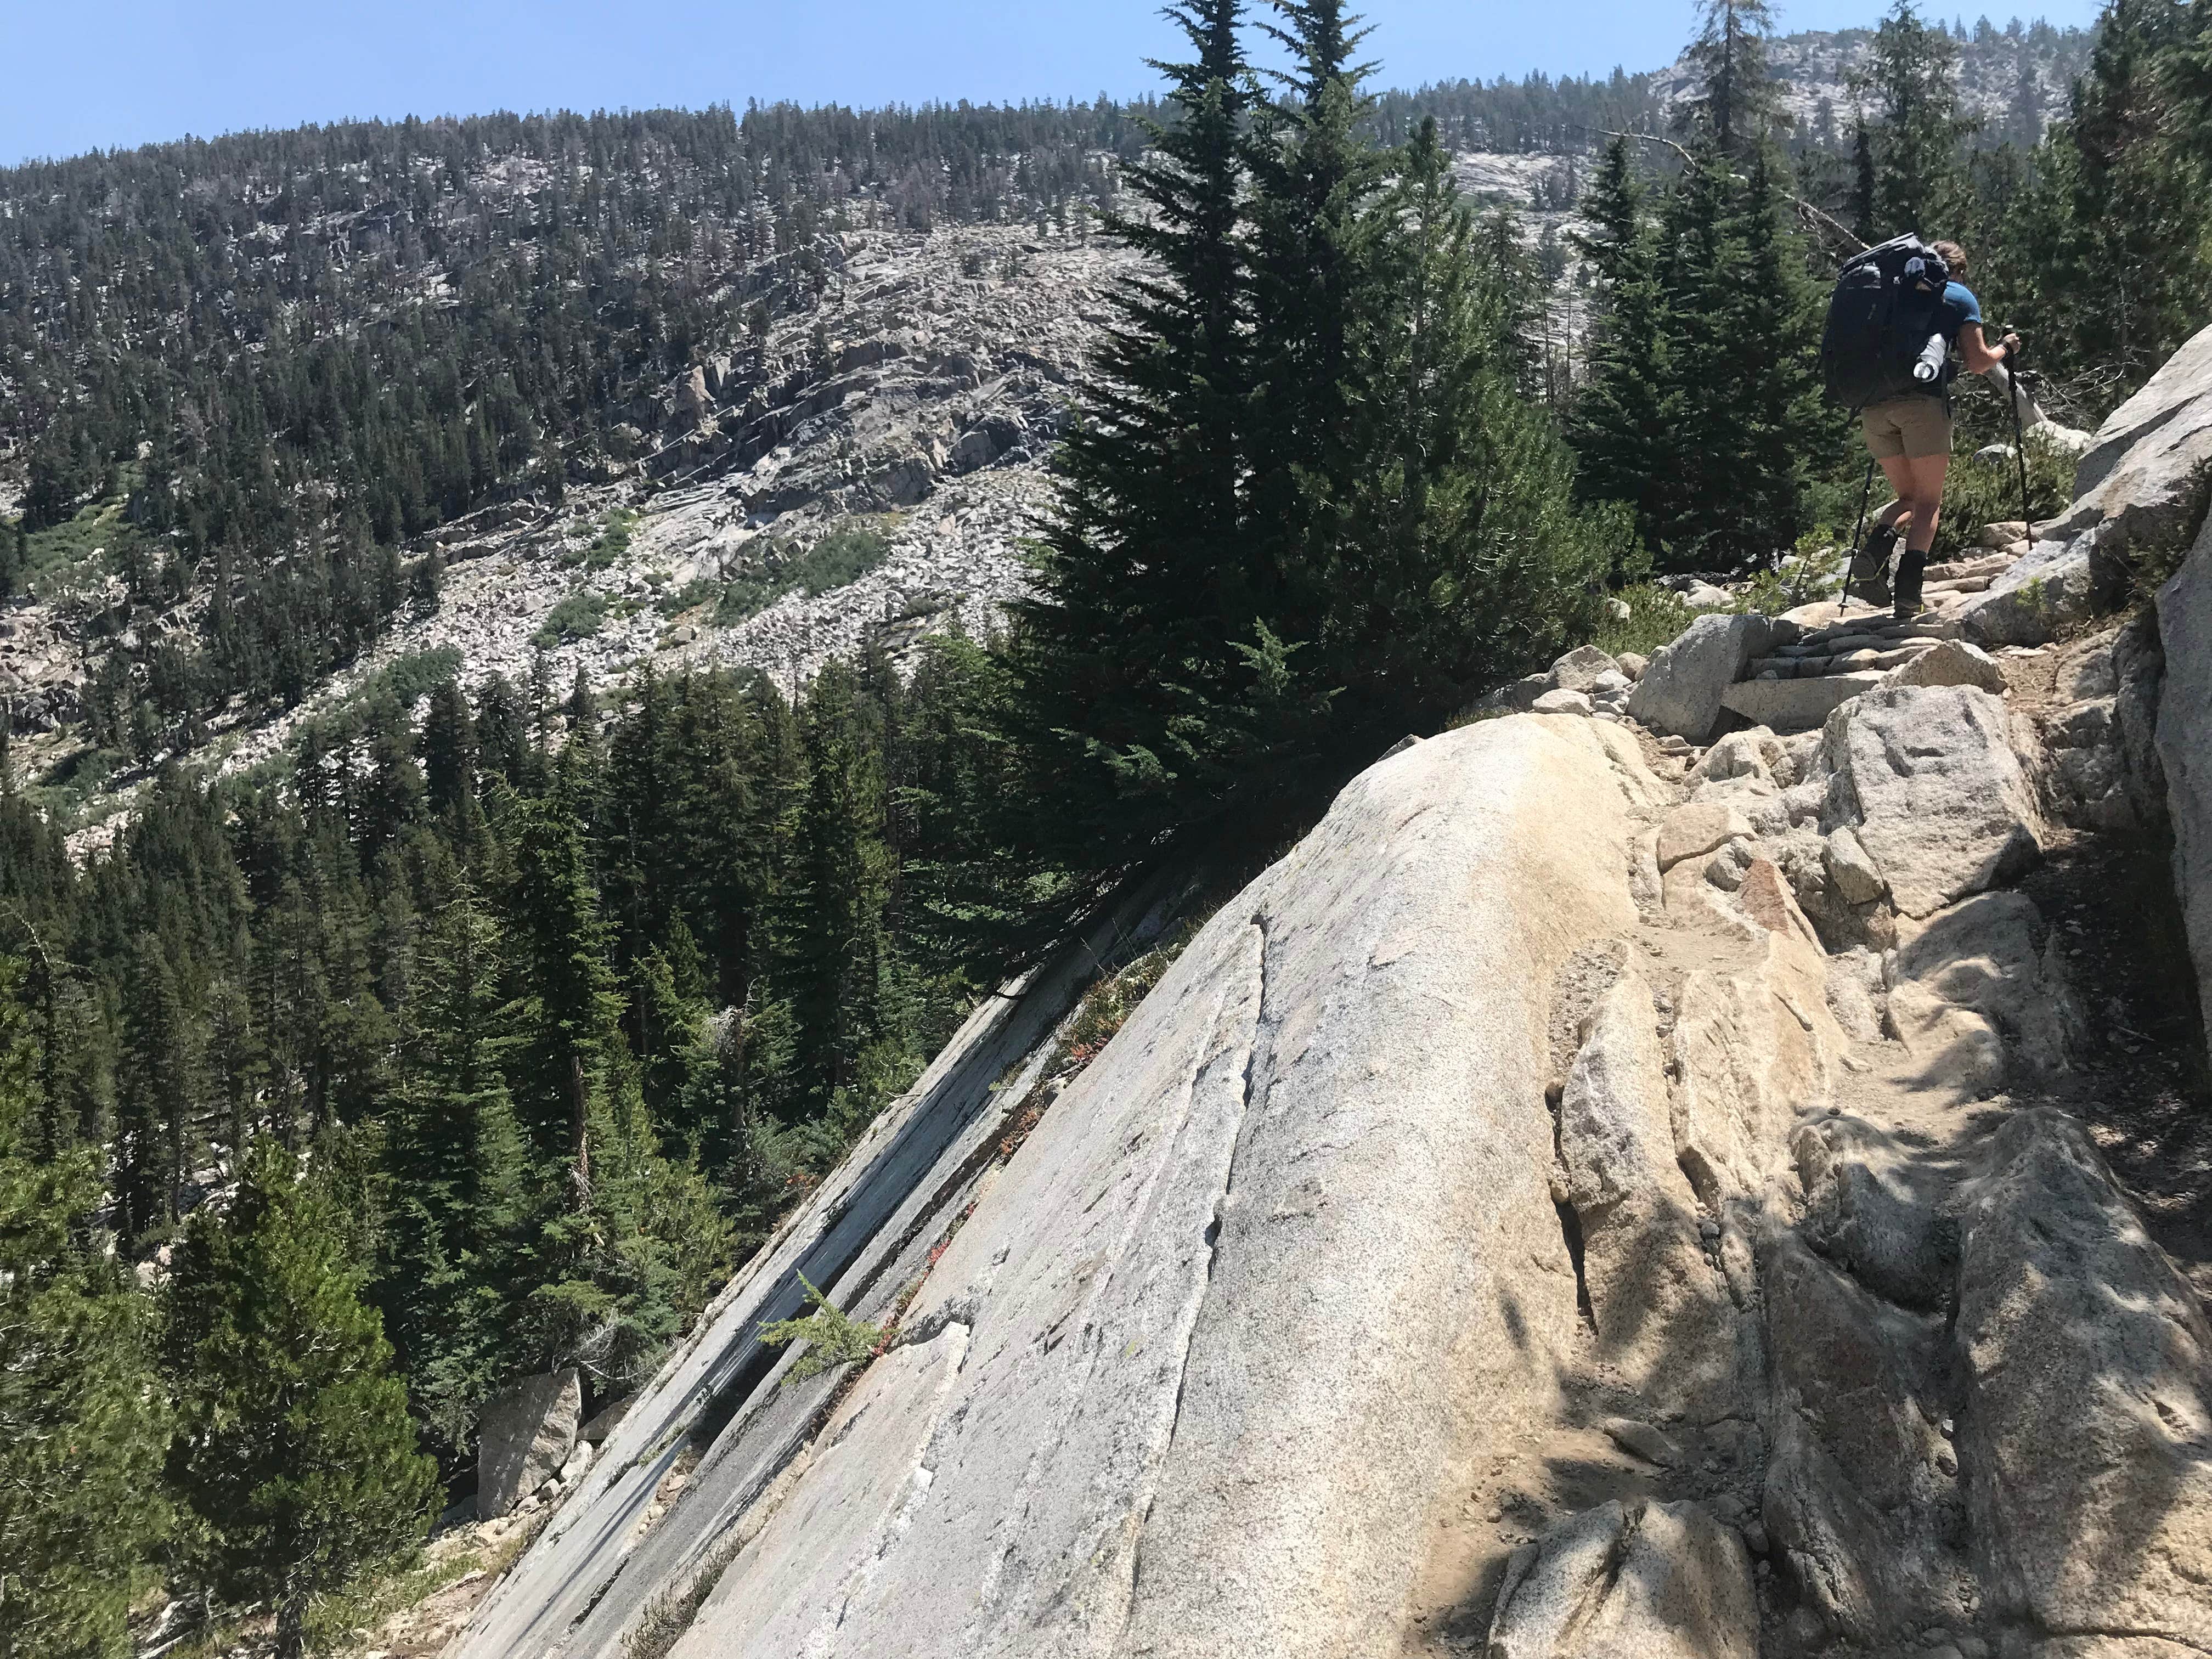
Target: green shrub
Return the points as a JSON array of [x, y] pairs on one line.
[[73, 781], [841, 557], [1978, 492], [1107, 1004], [696, 591], [61, 557], [613, 540], [832, 1338], [1656, 616], [609, 545], [575, 617], [408, 677]]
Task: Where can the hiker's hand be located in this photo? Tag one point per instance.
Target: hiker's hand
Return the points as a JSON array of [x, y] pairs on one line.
[[2011, 346]]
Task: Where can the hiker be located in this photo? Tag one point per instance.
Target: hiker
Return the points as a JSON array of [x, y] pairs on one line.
[[1910, 434]]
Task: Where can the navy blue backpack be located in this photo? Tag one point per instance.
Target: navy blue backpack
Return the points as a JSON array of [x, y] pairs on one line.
[[1888, 305]]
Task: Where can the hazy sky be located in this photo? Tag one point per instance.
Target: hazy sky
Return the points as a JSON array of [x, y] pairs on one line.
[[95, 74]]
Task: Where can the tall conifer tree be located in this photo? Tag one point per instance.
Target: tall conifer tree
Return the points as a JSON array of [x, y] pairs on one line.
[[1920, 134], [456, 1169], [1464, 560], [293, 1448], [2114, 240], [82, 1424], [1144, 582], [1735, 105], [570, 1005], [1623, 444]]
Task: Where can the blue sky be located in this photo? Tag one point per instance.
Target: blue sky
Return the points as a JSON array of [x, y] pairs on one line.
[[102, 73]]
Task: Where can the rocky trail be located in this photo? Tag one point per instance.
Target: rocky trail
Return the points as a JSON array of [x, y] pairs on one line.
[[1790, 1317], [1635, 1180]]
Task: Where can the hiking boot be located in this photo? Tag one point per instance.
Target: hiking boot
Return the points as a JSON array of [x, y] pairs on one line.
[[1908, 570], [1867, 580]]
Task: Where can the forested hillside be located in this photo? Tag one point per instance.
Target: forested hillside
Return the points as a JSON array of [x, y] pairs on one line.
[[560, 1035], [478, 1022], [280, 358]]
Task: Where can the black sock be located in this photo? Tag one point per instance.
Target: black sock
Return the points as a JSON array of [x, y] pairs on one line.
[[1910, 565]]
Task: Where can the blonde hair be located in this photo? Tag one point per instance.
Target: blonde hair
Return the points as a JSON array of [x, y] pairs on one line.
[[1952, 255]]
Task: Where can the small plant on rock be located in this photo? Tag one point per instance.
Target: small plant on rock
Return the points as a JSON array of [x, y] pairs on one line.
[[832, 1338]]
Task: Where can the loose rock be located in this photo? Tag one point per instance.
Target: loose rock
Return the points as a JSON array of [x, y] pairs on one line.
[[1647, 1581], [1953, 662], [524, 1437], [1561, 702], [1681, 689], [1927, 779], [1580, 668]]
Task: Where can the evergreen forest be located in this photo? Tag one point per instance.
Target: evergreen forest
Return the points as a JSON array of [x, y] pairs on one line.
[[491, 1026]]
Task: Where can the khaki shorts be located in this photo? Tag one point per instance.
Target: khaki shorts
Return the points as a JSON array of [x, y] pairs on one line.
[[1911, 427]]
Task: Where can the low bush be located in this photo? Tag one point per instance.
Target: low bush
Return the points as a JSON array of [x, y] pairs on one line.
[[839, 559], [696, 591], [1978, 492], [577, 616], [1655, 616]]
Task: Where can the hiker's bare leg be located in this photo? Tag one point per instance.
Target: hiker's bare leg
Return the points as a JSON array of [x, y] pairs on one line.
[[1918, 482]]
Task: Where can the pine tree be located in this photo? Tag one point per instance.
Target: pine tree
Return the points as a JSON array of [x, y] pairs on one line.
[[1138, 608], [1703, 284], [449, 750], [81, 1423], [502, 737], [1736, 106], [1919, 142], [294, 1448], [1318, 231], [390, 797], [1785, 436], [1862, 182], [1736, 375], [1701, 411], [156, 1104], [1471, 562], [457, 1173], [570, 1007], [643, 1259], [2185, 74], [2114, 240], [1625, 450], [835, 927], [1612, 204]]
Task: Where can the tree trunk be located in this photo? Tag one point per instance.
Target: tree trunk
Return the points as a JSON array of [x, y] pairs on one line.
[[292, 1626], [580, 1135]]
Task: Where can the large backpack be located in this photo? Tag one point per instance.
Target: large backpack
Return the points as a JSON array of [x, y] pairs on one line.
[[1887, 303]]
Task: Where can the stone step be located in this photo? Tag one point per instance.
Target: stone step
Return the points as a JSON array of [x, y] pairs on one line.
[[1989, 564], [1895, 654], [1878, 627], [1795, 705]]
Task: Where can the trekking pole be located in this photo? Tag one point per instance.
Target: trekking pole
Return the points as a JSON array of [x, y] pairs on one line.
[[2013, 390], [1865, 495], [1858, 535]]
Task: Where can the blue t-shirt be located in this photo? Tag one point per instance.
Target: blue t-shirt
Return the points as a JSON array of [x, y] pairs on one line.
[[1959, 308]]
